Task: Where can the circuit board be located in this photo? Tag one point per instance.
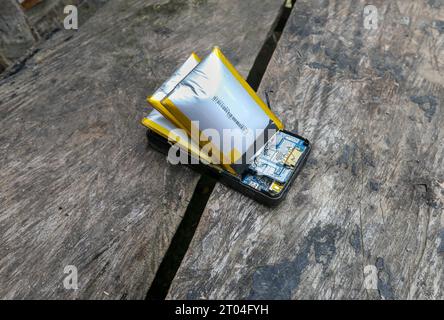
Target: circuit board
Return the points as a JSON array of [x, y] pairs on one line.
[[274, 164]]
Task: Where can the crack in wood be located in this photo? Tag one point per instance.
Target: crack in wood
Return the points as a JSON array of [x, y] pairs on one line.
[[184, 234]]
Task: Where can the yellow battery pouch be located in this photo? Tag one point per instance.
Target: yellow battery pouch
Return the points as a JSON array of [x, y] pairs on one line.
[[192, 61], [156, 122]]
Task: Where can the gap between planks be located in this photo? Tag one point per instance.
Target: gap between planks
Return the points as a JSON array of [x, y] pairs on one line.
[[184, 234]]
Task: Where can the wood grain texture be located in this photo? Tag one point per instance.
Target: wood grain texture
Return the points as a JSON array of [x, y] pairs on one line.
[[365, 219], [15, 33], [77, 184]]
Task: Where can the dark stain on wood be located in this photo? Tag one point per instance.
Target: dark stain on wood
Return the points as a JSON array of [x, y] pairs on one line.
[[435, 4], [384, 280], [374, 185], [428, 104], [441, 242], [279, 280], [355, 239]]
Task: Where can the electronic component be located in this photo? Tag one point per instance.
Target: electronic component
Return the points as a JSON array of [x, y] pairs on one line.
[[257, 182], [292, 157], [274, 164], [278, 157], [276, 187]]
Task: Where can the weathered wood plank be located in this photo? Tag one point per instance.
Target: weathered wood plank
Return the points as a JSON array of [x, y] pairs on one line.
[[365, 219], [77, 184], [15, 33]]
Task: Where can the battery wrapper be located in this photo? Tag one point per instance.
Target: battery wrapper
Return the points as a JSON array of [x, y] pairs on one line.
[[156, 122], [192, 61], [162, 122], [215, 95]]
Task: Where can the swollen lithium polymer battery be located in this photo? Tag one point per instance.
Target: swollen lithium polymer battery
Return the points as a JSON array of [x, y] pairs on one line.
[[213, 97], [213, 93]]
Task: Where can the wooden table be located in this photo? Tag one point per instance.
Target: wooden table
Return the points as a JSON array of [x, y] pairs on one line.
[[78, 185], [365, 219]]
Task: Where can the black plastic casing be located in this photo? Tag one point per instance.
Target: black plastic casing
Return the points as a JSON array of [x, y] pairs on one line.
[[162, 145]]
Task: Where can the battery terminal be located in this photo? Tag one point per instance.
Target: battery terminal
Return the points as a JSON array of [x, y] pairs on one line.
[[276, 187]]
